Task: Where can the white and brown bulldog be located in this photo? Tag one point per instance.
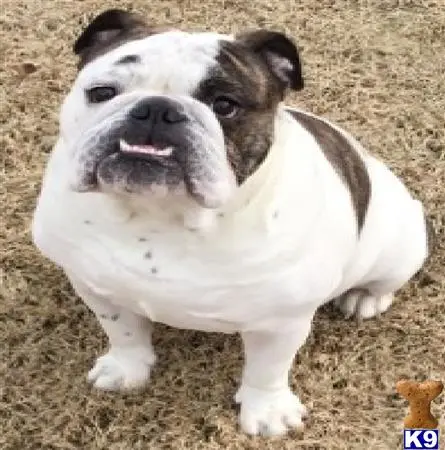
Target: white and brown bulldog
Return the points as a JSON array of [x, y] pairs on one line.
[[181, 190]]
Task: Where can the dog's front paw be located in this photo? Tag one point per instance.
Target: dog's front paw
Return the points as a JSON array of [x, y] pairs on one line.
[[361, 304], [269, 413], [122, 369]]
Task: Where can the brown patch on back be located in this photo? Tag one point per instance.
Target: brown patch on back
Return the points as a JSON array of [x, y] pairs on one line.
[[344, 158]]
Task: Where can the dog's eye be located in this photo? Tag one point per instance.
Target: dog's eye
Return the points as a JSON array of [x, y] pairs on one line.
[[225, 107], [101, 94]]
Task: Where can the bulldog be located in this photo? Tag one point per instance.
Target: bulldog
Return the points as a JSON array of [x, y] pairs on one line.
[[182, 190]]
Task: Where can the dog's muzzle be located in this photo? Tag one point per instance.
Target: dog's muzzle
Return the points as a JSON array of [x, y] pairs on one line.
[[163, 145]]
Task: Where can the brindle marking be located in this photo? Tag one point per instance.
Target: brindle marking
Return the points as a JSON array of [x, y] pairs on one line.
[[129, 59], [243, 77], [345, 160], [248, 74]]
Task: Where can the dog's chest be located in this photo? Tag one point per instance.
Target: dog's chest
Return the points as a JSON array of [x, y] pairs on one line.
[[180, 277]]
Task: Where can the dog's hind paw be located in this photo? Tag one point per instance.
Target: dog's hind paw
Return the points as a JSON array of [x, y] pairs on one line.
[[363, 305]]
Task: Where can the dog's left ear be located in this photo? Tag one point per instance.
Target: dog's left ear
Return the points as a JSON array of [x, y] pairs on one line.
[[279, 53]]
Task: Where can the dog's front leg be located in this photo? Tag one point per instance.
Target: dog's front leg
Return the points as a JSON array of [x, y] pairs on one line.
[[268, 406], [127, 363]]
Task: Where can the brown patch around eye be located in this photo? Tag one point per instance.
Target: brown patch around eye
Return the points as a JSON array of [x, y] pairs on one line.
[[243, 76], [251, 75], [248, 146]]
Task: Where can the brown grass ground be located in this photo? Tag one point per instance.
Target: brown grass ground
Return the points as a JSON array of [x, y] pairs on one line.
[[377, 67]]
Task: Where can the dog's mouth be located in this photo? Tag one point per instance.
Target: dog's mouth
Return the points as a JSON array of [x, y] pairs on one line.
[[135, 167], [157, 169], [153, 170]]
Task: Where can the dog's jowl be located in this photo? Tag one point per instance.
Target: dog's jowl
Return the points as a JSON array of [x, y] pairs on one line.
[[181, 190]]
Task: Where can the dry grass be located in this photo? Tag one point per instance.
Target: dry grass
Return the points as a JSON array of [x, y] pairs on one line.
[[374, 66]]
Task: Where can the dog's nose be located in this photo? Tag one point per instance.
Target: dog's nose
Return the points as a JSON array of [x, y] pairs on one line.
[[158, 110]]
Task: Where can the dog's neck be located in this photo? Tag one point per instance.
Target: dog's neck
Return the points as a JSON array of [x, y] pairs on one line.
[[281, 193]]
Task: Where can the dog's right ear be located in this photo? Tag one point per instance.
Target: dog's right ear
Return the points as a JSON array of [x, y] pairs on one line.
[[105, 31]]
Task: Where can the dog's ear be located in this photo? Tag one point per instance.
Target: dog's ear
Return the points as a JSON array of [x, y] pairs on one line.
[[279, 53], [106, 30]]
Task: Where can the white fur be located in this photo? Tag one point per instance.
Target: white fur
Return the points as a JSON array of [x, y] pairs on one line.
[[284, 244]]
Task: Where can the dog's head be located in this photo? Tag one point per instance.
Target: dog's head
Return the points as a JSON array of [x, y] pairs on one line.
[[156, 112]]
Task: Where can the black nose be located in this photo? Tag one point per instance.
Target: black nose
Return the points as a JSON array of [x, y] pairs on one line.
[[158, 110]]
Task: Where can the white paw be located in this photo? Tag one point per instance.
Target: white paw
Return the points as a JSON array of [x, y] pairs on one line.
[[122, 369], [361, 304], [269, 413]]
